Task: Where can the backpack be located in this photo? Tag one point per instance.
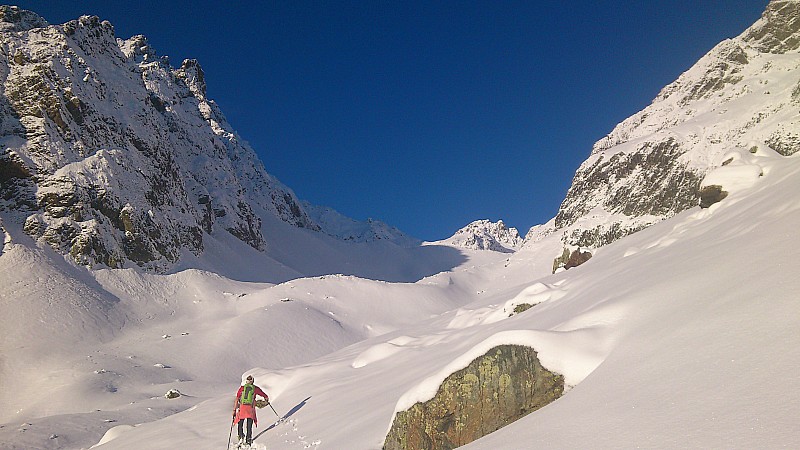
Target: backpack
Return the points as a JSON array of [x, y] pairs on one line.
[[248, 394]]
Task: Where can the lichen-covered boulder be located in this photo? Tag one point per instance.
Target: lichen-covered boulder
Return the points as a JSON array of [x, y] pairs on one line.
[[505, 384]]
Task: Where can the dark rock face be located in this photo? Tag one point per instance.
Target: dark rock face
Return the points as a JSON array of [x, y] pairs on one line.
[[16, 186], [577, 258], [568, 259], [505, 384], [785, 141]]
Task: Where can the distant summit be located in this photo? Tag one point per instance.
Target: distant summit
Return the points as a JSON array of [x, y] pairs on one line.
[[486, 235], [347, 229]]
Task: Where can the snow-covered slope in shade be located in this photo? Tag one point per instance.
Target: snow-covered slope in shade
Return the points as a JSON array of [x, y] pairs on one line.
[[486, 235], [334, 223]]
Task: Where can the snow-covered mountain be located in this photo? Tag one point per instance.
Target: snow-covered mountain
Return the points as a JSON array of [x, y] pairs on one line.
[[347, 229], [486, 235], [111, 155], [683, 334], [741, 98]]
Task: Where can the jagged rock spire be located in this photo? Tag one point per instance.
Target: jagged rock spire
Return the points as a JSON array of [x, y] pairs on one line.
[[193, 75]]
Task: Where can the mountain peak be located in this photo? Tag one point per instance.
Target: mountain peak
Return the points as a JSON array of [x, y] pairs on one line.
[[341, 227], [486, 235], [12, 18], [193, 75]]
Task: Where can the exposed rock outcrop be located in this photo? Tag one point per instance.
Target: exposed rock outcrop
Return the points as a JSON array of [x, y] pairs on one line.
[[778, 30], [505, 384], [570, 259], [711, 194], [652, 165], [112, 156]]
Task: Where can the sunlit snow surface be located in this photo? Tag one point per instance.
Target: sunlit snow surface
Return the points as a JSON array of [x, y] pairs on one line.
[[685, 334]]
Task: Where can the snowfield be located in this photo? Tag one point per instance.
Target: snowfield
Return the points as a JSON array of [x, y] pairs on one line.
[[683, 335]]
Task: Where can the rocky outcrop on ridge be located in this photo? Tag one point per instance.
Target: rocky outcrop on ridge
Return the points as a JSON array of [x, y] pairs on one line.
[[110, 154], [743, 94]]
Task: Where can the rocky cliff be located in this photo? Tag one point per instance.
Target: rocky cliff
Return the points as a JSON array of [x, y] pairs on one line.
[[110, 154], [743, 96]]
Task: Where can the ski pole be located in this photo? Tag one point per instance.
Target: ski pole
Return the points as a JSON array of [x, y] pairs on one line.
[[231, 432], [273, 410]]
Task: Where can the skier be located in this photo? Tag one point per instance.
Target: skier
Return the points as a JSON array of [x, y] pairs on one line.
[[244, 409]]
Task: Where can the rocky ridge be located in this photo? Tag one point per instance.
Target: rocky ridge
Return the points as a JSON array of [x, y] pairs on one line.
[[111, 155], [742, 97]]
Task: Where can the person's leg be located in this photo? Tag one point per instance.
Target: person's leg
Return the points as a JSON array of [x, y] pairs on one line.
[[249, 431], [241, 431]]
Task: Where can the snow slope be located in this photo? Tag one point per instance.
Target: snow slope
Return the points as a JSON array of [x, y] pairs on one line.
[[682, 335]]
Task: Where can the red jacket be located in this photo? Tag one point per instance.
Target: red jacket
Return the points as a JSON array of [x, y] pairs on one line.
[[248, 411]]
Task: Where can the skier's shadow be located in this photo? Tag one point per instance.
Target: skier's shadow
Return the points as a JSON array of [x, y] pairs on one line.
[[285, 416]]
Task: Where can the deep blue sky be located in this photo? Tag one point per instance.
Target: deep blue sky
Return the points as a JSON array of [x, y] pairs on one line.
[[427, 114]]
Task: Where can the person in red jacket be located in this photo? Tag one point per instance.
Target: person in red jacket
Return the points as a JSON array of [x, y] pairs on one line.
[[245, 408]]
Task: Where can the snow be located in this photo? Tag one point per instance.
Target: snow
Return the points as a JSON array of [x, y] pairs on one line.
[[682, 335], [741, 170]]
